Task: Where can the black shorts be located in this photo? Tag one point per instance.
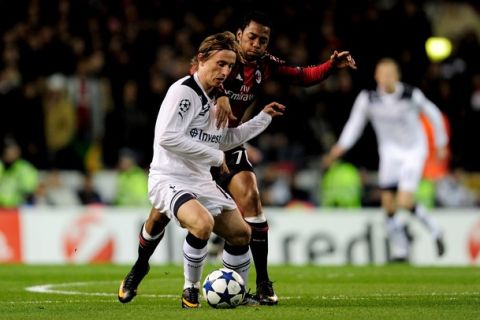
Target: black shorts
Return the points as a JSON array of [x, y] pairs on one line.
[[237, 161]]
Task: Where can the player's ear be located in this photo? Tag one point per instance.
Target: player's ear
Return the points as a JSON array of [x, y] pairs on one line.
[[200, 59], [239, 34]]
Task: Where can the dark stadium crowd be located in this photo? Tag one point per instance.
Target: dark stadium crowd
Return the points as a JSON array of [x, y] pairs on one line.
[[82, 81]]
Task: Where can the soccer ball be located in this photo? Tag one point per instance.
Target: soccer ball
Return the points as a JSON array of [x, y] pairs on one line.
[[224, 288]]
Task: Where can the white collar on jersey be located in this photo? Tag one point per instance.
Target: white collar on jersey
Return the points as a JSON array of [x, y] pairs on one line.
[[197, 80]]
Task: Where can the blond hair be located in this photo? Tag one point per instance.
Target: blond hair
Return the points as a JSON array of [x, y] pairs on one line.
[[216, 42]]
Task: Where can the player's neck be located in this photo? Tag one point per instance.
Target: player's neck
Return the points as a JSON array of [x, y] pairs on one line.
[[203, 83], [251, 61], [389, 89]]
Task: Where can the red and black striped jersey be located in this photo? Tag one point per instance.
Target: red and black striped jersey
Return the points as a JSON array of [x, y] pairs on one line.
[[245, 81]]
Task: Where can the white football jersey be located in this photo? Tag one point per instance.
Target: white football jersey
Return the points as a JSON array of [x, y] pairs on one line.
[[187, 142], [395, 119]]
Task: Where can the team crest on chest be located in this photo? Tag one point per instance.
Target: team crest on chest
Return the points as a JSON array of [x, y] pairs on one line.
[[258, 76]]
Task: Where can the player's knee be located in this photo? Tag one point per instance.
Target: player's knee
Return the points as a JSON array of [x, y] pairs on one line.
[[241, 238], [158, 219], [389, 207], [203, 227]]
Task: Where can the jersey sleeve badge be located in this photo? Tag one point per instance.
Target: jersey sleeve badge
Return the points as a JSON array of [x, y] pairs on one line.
[[183, 107]]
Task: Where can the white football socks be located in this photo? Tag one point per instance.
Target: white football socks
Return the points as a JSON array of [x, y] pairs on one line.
[[421, 213], [193, 263], [397, 238], [240, 263]]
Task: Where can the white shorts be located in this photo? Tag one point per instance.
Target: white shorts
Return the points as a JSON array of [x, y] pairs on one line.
[[167, 195], [402, 171]]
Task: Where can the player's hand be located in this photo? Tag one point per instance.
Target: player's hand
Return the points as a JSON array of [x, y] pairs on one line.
[[335, 153], [326, 161], [224, 168], [274, 109], [343, 60], [442, 153], [224, 112]]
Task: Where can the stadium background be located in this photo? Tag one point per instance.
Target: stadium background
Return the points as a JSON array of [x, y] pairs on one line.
[[150, 44], [112, 62]]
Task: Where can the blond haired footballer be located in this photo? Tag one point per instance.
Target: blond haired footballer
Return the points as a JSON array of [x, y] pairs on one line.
[[180, 187]]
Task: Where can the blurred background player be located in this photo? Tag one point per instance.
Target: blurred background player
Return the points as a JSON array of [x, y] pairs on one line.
[[242, 88], [394, 110]]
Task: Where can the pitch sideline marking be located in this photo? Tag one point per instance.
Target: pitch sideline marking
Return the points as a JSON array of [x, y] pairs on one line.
[[50, 288], [56, 289]]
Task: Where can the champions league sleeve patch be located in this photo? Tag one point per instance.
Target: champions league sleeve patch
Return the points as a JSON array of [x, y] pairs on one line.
[[183, 107]]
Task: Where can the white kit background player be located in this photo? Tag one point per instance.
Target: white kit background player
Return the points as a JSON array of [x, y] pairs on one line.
[[393, 110], [187, 143]]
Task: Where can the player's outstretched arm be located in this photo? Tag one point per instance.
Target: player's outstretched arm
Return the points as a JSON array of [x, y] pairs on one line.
[[234, 137], [343, 60]]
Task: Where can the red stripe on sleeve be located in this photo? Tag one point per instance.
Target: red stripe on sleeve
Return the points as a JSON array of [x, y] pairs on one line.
[[307, 76]]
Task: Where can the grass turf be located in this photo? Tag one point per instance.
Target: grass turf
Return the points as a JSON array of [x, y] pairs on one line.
[[310, 292]]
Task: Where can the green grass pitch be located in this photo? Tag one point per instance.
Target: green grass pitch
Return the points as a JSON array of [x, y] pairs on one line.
[[310, 292]]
